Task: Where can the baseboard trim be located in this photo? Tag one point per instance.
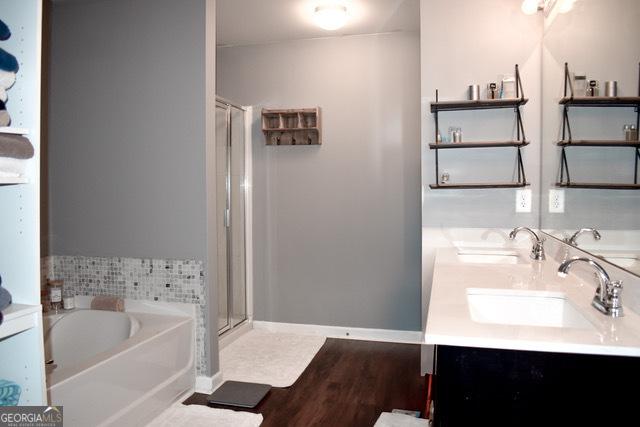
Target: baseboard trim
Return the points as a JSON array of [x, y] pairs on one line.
[[208, 385], [365, 334]]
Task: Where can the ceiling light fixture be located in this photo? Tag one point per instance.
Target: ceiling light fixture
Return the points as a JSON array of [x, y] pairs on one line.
[[530, 7], [331, 16]]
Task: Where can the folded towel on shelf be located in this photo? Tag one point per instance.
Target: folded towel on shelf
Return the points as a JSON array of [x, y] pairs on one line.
[[5, 119], [9, 393], [104, 302], [5, 298], [13, 168], [8, 62], [5, 33], [7, 79], [15, 146]]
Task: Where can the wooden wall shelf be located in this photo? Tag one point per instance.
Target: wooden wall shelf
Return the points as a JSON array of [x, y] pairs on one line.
[[569, 100], [302, 126], [477, 144], [601, 101], [482, 104], [475, 185], [598, 143], [598, 185]]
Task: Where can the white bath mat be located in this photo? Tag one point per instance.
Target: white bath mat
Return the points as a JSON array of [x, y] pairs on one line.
[[202, 416], [264, 357], [388, 419]]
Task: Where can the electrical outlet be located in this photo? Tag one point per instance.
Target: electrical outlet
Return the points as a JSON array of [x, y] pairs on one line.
[[523, 200], [556, 200]]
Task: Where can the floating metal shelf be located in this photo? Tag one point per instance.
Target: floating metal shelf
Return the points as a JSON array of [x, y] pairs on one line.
[[477, 144], [478, 185], [598, 185], [482, 104]]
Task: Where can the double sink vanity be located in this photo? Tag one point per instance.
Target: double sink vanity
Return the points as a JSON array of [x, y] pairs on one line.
[[527, 338]]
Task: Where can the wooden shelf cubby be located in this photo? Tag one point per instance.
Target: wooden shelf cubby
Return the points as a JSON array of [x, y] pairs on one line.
[[300, 126]]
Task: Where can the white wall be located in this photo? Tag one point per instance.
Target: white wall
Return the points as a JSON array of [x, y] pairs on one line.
[[337, 226], [598, 38], [473, 42], [465, 43]]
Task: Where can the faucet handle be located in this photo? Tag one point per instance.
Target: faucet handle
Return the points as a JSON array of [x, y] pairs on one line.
[[614, 298]]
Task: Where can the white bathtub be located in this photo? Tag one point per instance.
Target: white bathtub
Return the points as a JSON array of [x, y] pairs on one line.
[[109, 368]]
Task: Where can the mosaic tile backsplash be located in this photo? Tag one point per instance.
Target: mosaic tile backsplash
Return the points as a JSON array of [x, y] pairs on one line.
[[135, 278]]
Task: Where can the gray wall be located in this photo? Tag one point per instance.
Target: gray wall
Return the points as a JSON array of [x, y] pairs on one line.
[[337, 226], [126, 129], [129, 126]]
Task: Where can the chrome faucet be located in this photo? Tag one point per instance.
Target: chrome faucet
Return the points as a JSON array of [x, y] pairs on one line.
[[573, 240], [537, 251], [608, 298]]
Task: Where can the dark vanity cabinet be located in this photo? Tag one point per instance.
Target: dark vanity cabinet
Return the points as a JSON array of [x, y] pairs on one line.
[[494, 387]]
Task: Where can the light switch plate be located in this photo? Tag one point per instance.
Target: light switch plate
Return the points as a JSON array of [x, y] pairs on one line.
[[556, 200], [523, 200]]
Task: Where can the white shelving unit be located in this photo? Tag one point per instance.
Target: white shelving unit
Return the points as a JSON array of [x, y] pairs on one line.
[[13, 130], [9, 180], [21, 346]]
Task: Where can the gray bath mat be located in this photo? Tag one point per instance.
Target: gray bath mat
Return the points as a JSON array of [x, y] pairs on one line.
[[237, 393]]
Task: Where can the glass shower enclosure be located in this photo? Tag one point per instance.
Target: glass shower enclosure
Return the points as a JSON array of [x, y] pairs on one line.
[[230, 215]]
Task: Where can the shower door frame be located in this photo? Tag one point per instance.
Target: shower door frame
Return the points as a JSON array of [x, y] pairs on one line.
[[248, 219]]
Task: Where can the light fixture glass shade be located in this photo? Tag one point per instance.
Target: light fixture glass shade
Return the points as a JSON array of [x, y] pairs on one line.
[[331, 16], [529, 7], [565, 6]]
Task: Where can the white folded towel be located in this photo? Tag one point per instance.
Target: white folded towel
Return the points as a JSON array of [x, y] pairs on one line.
[[10, 167], [388, 419], [7, 79]]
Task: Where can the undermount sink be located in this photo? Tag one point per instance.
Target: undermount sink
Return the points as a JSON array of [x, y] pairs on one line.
[[489, 256], [498, 306]]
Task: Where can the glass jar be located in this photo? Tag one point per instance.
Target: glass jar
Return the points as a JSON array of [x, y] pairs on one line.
[[68, 299], [55, 294]]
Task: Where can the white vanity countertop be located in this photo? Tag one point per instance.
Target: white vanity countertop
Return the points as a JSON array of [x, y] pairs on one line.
[[449, 320]]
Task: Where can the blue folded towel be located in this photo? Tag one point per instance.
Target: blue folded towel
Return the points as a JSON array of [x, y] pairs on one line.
[[5, 33], [5, 298], [8, 62], [9, 393]]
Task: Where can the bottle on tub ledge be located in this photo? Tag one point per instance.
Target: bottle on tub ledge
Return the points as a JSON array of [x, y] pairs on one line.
[[55, 295], [68, 299]]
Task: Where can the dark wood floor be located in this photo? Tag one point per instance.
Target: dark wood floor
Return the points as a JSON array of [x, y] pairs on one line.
[[348, 383]]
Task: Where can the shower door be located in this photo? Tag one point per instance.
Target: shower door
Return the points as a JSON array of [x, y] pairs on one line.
[[230, 222]]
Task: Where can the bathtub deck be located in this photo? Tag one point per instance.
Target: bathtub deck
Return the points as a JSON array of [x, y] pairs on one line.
[[348, 383]]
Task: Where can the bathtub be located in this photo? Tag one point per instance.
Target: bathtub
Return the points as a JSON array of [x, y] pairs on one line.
[[109, 368]]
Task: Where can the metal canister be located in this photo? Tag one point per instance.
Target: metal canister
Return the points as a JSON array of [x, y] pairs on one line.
[[630, 132], [611, 88], [474, 92]]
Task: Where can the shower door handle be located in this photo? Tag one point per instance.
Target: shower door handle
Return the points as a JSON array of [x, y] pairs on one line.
[[227, 219]]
